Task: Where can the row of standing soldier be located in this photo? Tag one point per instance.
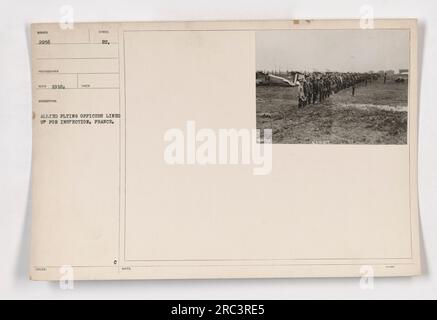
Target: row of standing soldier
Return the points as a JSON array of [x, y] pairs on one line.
[[315, 88]]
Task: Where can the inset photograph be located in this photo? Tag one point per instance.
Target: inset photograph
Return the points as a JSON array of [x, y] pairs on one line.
[[333, 86]]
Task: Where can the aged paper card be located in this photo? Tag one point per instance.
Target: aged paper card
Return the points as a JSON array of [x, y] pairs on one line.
[[224, 150]]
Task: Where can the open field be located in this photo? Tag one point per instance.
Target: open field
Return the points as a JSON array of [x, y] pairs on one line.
[[377, 114]]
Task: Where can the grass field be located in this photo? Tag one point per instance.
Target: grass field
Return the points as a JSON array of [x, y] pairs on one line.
[[377, 114]]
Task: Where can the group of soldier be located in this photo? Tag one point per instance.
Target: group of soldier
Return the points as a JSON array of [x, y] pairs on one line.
[[316, 87]]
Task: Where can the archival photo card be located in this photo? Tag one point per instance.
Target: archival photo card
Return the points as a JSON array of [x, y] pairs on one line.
[[333, 86], [146, 162]]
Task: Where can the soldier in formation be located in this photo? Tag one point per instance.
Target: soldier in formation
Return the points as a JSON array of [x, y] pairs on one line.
[[317, 87]]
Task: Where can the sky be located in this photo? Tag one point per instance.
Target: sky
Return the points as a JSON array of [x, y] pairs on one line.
[[359, 50]]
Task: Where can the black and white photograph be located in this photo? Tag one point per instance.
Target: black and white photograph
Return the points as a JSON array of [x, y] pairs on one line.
[[333, 86]]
